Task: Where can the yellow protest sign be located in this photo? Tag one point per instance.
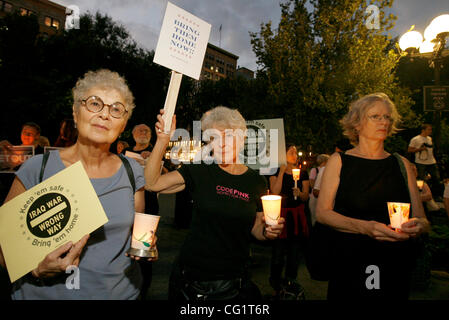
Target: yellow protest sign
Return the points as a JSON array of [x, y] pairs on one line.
[[62, 208]]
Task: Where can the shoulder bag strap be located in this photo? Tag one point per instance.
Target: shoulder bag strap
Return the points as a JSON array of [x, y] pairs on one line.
[[44, 164], [404, 175], [129, 171]]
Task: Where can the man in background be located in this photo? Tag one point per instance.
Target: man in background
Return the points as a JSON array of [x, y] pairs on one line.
[[422, 147]]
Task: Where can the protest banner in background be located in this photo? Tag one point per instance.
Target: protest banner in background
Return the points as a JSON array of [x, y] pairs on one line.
[[13, 156], [265, 145], [62, 208], [182, 42]]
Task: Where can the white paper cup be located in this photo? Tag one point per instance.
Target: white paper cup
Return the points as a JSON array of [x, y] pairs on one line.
[[144, 229], [271, 208], [399, 213], [296, 173]]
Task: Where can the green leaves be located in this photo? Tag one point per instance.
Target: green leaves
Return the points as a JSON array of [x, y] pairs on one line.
[[319, 59]]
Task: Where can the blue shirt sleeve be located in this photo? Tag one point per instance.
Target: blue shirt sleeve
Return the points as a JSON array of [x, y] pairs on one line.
[[28, 172]]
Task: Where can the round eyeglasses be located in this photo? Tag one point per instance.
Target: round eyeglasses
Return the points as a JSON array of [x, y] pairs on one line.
[[95, 104]]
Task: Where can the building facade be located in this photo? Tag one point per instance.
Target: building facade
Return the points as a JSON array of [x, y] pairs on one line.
[[245, 73], [218, 64], [51, 16]]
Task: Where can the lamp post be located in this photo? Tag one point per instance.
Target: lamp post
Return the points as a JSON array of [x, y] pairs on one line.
[[431, 46]]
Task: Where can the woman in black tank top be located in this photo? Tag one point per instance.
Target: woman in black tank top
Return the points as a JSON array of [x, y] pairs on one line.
[[371, 259]]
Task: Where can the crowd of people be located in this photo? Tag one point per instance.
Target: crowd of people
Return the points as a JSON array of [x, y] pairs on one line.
[[346, 192]]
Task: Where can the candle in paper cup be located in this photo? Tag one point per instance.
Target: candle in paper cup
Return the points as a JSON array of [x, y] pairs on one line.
[[271, 208], [144, 229], [399, 213], [296, 174], [420, 184]]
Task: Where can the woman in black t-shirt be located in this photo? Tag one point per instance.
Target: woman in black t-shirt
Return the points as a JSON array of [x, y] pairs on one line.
[[227, 211], [287, 247]]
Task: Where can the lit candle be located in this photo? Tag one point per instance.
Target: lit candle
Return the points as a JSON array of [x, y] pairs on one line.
[[296, 173], [420, 184], [144, 229], [399, 213], [271, 208]]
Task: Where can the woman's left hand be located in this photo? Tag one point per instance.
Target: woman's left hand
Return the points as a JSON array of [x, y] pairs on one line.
[[273, 231], [414, 227]]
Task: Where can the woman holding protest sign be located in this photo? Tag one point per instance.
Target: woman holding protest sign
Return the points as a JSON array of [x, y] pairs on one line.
[[102, 106], [227, 211]]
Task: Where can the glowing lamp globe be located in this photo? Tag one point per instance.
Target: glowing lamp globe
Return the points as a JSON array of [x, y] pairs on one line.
[[410, 39], [426, 47], [438, 25]]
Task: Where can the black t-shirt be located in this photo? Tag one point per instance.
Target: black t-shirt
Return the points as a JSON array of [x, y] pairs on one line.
[[288, 199], [224, 212]]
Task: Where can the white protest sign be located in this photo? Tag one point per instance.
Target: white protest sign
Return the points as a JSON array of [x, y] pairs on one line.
[[181, 47], [182, 42]]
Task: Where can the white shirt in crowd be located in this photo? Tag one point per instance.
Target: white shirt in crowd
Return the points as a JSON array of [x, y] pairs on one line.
[[425, 156]]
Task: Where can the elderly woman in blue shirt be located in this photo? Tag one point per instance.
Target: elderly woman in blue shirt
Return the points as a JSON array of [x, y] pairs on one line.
[[102, 106]]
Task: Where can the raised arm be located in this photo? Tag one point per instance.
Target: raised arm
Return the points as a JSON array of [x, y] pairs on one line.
[[169, 182]]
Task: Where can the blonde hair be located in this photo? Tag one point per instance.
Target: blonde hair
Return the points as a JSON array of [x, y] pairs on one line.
[[357, 114], [322, 158], [106, 79], [223, 117]]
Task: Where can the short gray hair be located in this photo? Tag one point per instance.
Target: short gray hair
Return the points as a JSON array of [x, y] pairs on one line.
[[357, 114], [223, 117], [102, 78]]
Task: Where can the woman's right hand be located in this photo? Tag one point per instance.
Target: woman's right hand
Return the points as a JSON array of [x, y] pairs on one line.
[[382, 232], [54, 263], [160, 127]]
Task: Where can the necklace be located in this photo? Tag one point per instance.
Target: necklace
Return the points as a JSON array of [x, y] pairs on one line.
[[384, 154]]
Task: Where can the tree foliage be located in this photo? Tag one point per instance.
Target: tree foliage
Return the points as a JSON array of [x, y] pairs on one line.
[[317, 61], [37, 73]]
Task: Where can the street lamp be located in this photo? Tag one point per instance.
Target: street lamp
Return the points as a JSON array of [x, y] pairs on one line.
[[431, 46]]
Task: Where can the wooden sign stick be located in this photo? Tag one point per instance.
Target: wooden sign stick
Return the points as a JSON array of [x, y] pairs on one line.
[[170, 100]]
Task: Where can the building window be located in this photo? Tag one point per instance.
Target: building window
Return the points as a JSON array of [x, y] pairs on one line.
[[220, 61], [210, 56], [5, 6], [220, 69], [52, 22], [26, 12]]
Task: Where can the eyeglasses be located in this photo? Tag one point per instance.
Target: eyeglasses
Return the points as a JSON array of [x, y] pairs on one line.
[[95, 104], [379, 118]]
